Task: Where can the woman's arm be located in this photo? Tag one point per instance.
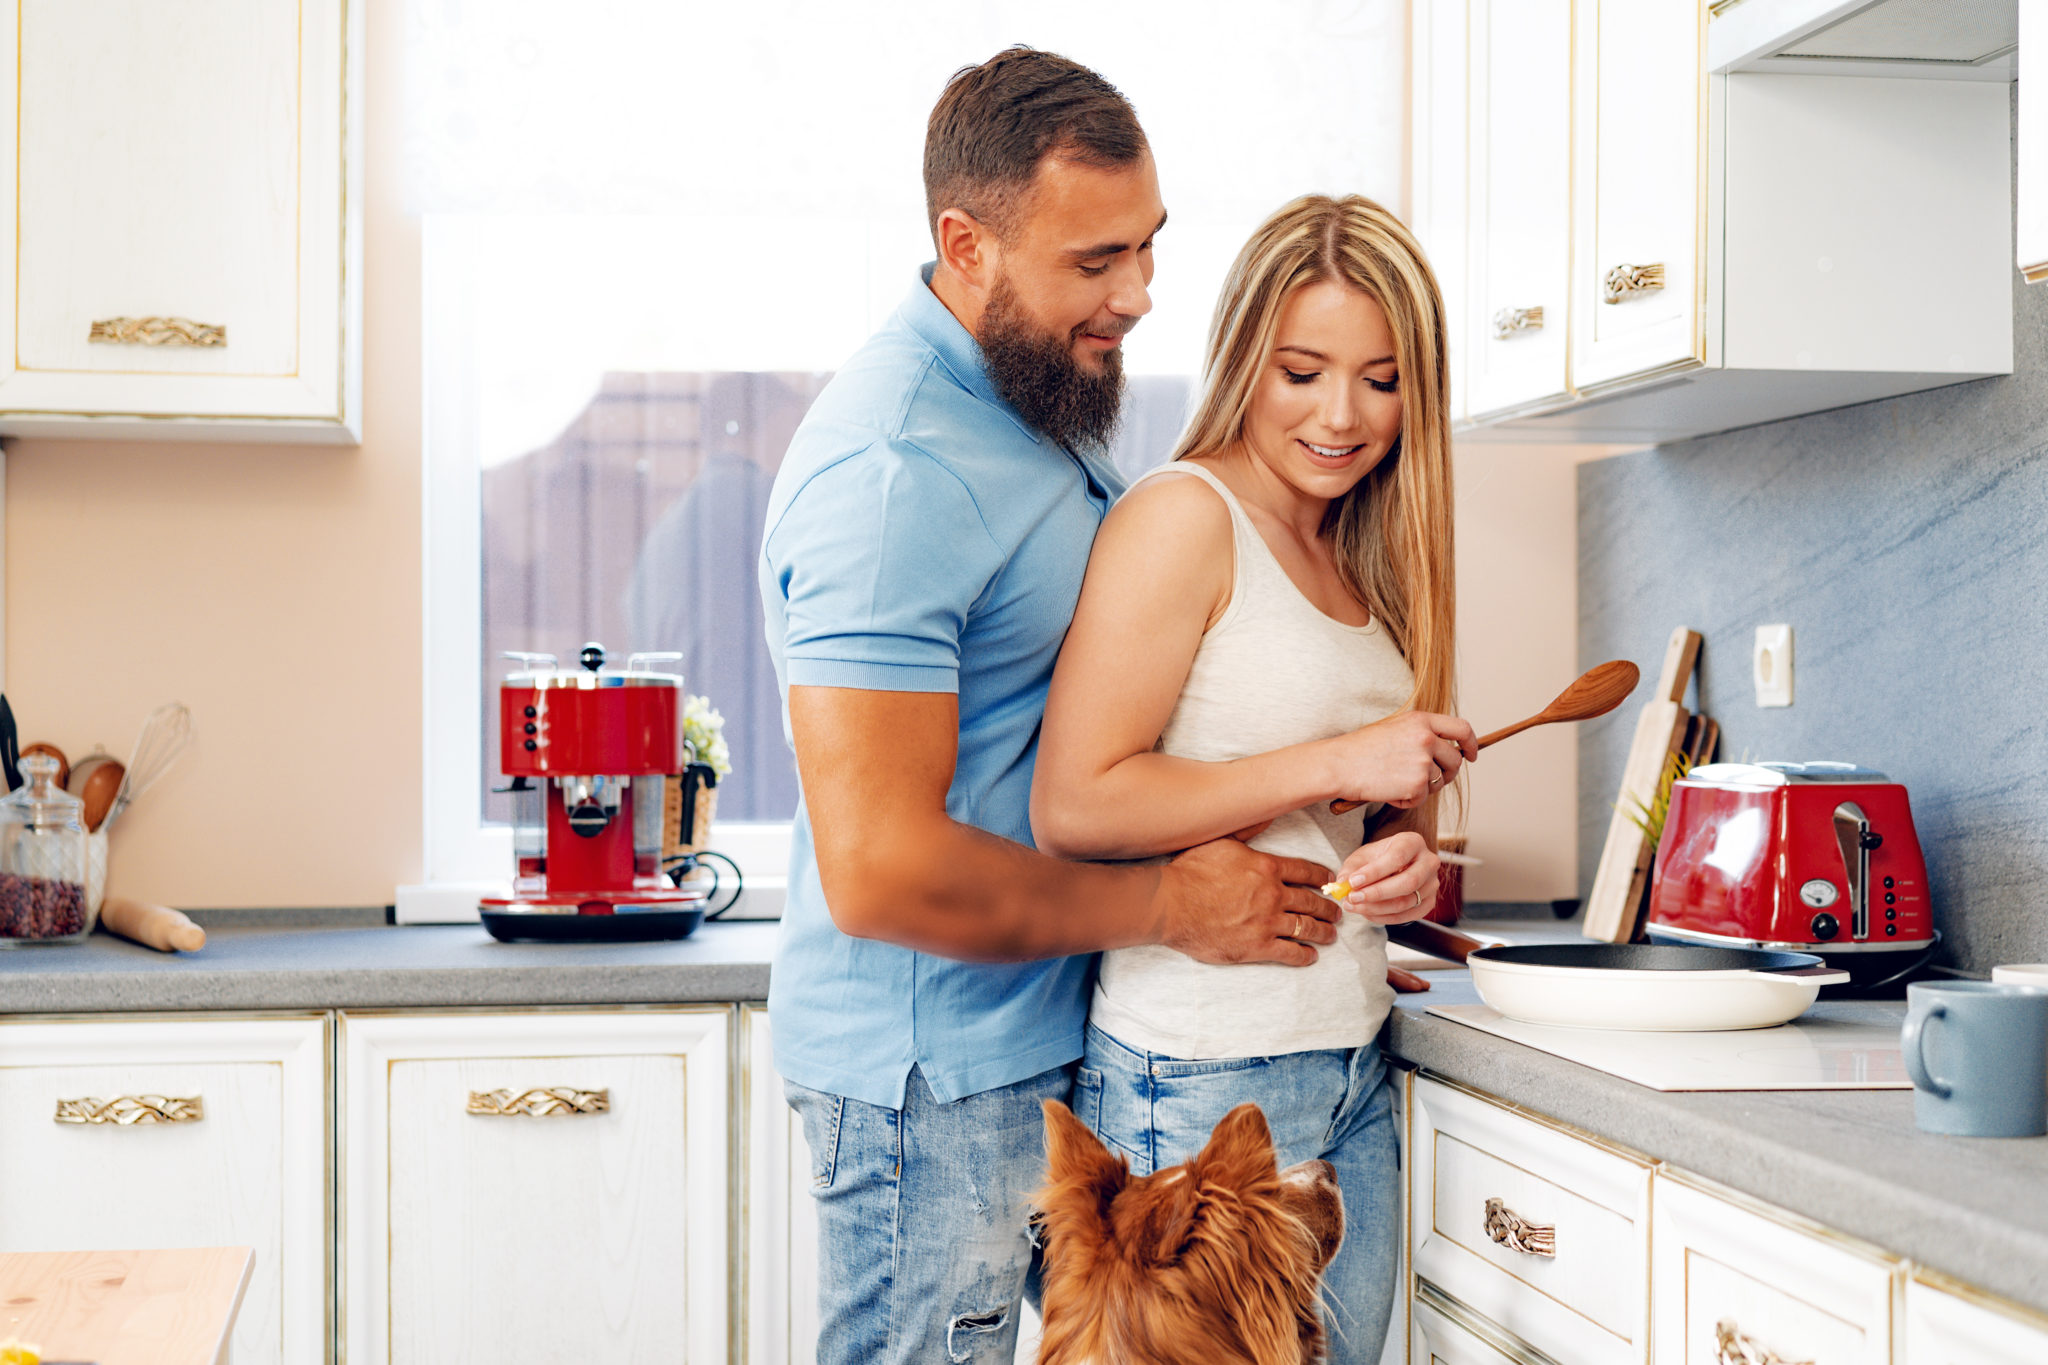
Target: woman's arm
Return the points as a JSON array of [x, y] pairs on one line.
[[1160, 575]]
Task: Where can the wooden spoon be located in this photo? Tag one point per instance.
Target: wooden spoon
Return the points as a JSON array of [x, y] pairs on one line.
[[1596, 692]]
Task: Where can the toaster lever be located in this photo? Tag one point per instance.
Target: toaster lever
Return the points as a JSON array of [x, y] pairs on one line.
[[1855, 838]]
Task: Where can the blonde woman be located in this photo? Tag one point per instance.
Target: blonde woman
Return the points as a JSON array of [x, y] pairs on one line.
[[1267, 626]]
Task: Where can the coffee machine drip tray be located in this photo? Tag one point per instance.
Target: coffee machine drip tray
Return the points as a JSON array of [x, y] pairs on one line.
[[659, 916]]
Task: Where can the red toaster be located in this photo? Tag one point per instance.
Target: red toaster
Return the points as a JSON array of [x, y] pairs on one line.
[[1818, 857]]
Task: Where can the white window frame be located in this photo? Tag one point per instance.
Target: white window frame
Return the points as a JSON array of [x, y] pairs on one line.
[[463, 858]]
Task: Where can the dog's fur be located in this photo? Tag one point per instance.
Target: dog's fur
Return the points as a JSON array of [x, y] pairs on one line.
[[1216, 1260]]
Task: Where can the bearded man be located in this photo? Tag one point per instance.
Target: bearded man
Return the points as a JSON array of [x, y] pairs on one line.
[[924, 549]]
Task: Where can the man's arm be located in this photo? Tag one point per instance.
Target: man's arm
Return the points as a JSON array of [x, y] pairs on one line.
[[895, 866]]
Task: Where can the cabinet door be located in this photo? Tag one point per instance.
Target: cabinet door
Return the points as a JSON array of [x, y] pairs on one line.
[[1446, 1334], [1520, 249], [537, 1186], [178, 1133], [1726, 1279], [1637, 211], [185, 211], [2032, 140], [1539, 1229], [1438, 57], [782, 1222], [1949, 1328]]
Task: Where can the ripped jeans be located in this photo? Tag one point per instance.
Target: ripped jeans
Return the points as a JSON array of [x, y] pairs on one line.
[[923, 1244]]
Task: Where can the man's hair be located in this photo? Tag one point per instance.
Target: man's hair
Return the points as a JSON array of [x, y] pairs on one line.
[[995, 122]]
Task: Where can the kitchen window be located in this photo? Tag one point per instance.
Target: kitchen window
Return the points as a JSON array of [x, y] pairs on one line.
[[652, 230]]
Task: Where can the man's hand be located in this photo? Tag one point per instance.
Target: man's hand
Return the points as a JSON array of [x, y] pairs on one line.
[[1393, 879], [1225, 903]]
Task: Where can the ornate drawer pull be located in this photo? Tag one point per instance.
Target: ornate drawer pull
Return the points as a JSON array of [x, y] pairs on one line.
[[555, 1101], [158, 332], [1735, 1347], [1516, 1233], [1624, 282], [128, 1111], [1509, 321]]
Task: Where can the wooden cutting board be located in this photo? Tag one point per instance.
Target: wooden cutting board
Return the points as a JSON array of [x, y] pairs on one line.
[[1625, 860], [125, 1307]]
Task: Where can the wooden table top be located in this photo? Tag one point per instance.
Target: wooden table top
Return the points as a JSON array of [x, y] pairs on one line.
[[125, 1307]]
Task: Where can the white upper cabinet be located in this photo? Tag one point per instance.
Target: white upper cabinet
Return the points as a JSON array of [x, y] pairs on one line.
[[1636, 267], [2033, 140], [1438, 32], [1741, 246], [1520, 181], [186, 209]]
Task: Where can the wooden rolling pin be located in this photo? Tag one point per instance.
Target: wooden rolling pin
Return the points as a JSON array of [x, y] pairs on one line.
[[153, 926]]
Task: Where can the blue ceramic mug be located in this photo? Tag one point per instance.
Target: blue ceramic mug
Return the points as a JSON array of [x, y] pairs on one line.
[[1978, 1056]]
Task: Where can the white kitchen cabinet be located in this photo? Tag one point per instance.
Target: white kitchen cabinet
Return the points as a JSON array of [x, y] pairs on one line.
[[782, 1224], [1726, 1278], [1947, 1324], [185, 208], [157, 1133], [1441, 93], [1541, 1230], [1734, 241], [1520, 182], [1637, 213], [1445, 1334], [2032, 140], [537, 1186]]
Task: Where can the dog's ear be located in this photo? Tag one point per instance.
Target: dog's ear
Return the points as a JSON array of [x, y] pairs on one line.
[[1072, 1153], [1240, 1150]]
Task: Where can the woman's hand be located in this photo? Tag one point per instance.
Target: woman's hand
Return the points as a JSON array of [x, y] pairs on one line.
[[1393, 880], [1400, 760]]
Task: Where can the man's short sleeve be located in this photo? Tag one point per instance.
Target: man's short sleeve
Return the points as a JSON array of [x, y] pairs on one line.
[[879, 559]]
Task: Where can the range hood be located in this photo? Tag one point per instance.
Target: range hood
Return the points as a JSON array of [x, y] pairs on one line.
[[1941, 39]]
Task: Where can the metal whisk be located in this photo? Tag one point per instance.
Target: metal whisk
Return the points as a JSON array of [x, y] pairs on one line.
[[164, 736]]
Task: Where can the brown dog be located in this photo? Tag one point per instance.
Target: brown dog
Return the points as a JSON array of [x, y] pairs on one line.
[[1215, 1260]]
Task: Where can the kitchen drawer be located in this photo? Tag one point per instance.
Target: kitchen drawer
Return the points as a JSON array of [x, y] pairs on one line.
[[1446, 1333], [1724, 1268], [1586, 1303], [536, 1186], [158, 1133], [1950, 1324]]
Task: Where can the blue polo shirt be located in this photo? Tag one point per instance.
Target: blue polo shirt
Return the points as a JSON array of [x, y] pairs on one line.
[[922, 537]]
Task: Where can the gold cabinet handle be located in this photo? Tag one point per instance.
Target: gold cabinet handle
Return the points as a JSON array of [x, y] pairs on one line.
[[1509, 1229], [1732, 1346], [1625, 282], [1509, 321], [129, 1111], [157, 332], [555, 1101]]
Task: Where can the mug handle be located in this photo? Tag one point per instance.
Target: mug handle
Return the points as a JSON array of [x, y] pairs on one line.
[[1916, 1062]]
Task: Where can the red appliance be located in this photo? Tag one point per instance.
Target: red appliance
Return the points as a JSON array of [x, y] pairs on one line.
[[1816, 857], [590, 752]]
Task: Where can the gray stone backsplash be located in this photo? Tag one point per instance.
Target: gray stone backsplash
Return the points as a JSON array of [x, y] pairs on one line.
[[1906, 543]]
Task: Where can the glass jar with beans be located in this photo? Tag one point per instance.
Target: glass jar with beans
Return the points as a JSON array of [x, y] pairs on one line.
[[42, 860]]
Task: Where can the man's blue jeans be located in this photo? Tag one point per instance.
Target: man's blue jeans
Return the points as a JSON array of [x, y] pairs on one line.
[[1336, 1105], [923, 1219]]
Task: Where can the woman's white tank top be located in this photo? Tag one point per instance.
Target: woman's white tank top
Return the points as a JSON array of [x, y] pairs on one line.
[[1273, 671]]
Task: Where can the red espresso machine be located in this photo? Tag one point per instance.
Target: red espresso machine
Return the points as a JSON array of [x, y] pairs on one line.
[[1816, 857], [590, 751]]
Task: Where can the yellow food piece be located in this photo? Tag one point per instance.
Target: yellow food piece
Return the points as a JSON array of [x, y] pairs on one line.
[[14, 1352], [1336, 891]]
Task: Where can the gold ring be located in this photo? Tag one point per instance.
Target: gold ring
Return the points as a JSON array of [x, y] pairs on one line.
[[1418, 899], [1294, 930]]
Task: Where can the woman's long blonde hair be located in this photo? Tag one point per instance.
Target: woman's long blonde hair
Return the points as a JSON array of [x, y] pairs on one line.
[[1391, 534]]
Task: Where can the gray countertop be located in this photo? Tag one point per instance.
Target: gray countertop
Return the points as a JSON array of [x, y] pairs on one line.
[[271, 968], [1976, 1209]]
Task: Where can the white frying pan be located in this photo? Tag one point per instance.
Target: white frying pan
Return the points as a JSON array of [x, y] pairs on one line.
[[1653, 987]]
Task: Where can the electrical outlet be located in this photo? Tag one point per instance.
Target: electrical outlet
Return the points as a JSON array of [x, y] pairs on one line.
[[1773, 665]]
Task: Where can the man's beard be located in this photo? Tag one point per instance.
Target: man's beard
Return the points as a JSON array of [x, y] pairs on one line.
[[1036, 373]]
